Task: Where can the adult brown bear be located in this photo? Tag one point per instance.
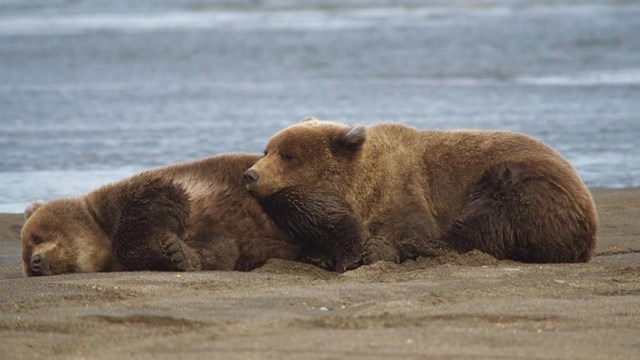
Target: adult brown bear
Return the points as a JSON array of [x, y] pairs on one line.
[[191, 216], [423, 192]]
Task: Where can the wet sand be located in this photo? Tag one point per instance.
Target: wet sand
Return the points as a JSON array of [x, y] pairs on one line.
[[462, 306]]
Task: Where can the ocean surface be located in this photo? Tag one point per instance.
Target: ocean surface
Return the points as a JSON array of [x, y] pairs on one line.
[[93, 91]]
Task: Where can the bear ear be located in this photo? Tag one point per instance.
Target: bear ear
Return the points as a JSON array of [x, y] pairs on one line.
[[350, 140], [308, 119], [31, 208]]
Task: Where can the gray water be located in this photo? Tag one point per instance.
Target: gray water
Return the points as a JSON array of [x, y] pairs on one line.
[[92, 91]]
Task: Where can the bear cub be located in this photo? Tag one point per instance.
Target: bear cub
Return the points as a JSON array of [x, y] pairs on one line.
[[191, 216]]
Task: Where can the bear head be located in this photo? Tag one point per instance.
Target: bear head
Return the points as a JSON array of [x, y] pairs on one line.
[[310, 153], [61, 236]]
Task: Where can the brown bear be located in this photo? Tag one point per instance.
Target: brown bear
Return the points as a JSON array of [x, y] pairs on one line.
[[191, 216], [419, 193]]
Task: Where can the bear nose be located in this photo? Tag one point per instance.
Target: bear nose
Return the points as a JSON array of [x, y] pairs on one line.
[[250, 176], [36, 264]]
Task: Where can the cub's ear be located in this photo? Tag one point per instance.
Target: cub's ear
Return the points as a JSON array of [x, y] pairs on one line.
[[31, 208], [349, 140]]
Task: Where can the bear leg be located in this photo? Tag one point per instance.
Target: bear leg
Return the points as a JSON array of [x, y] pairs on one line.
[[516, 212], [403, 233], [320, 221], [152, 210]]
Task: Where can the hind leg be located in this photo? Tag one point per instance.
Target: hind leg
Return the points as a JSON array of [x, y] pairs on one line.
[[516, 212], [152, 221]]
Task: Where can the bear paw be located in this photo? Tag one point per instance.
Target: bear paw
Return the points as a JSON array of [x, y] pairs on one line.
[[179, 255], [316, 259], [349, 261], [378, 249]]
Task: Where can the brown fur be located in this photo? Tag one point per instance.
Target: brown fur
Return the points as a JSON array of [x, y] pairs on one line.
[[422, 192], [191, 216], [324, 223]]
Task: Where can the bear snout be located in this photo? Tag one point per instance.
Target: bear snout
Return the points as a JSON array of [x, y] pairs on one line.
[[250, 176], [36, 265]]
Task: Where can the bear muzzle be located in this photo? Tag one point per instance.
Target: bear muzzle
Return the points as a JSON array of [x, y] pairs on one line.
[[250, 176], [36, 265]]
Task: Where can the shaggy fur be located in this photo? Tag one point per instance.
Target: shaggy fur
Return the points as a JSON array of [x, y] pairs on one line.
[[191, 216], [324, 222], [423, 192]]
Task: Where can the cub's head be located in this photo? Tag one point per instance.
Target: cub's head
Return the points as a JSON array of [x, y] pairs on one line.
[[62, 237], [309, 153]]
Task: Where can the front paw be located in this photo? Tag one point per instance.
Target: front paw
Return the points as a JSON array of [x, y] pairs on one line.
[[349, 261], [179, 255], [377, 248], [316, 258]]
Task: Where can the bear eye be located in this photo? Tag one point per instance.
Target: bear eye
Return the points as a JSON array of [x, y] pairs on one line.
[[287, 157], [36, 239]]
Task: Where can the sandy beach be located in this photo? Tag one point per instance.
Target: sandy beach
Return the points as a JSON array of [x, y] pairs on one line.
[[459, 307]]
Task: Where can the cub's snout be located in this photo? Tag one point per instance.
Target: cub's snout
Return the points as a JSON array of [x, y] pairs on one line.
[[36, 265]]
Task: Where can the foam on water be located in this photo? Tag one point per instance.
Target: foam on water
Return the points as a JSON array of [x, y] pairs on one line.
[[228, 20], [305, 18], [604, 77]]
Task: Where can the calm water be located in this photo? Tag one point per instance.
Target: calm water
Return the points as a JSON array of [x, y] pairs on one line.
[[92, 91]]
